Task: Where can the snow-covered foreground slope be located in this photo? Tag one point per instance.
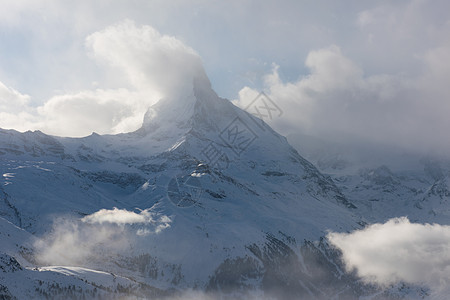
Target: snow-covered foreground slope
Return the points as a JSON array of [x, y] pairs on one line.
[[21, 279], [204, 196]]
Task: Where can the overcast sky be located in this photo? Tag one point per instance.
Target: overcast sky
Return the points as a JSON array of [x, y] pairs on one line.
[[373, 69]]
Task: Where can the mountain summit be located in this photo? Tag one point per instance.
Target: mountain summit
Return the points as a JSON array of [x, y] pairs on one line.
[[238, 208]]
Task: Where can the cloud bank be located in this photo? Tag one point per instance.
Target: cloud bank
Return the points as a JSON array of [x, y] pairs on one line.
[[338, 99], [146, 65], [385, 80], [377, 71], [399, 251]]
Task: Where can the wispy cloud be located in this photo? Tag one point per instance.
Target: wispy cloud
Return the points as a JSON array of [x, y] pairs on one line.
[[105, 233]]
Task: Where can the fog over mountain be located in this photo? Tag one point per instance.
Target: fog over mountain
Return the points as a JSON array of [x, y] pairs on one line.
[[376, 72], [323, 173]]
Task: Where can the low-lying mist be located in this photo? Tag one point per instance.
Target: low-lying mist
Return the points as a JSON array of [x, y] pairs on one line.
[[78, 242]]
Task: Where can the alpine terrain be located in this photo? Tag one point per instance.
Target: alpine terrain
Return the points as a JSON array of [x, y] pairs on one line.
[[204, 200]]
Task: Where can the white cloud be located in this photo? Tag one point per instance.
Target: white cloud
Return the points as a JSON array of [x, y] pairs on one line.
[[399, 251], [15, 111], [11, 100], [123, 216], [151, 66], [78, 114], [383, 79], [151, 61], [330, 70], [102, 111], [105, 233]]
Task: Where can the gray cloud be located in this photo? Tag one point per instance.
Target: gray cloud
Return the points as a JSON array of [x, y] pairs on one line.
[[338, 100]]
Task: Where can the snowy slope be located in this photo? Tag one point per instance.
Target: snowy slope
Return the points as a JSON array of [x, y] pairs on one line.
[[218, 202], [20, 279], [384, 182]]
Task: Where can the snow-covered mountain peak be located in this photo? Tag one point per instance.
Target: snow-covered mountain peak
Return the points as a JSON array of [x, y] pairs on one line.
[[251, 193], [197, 106]]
